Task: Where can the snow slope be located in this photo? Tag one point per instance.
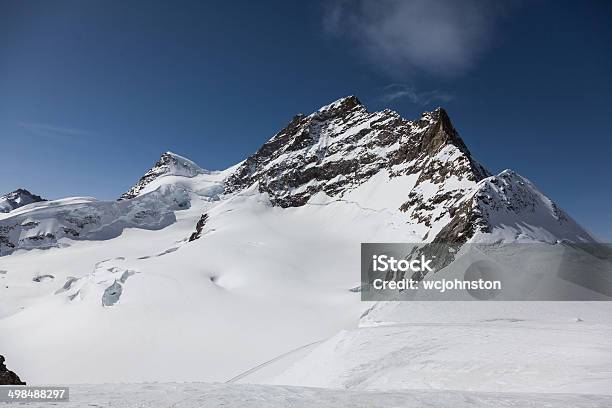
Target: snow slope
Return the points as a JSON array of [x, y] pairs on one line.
[[108, 292], [530, 347], [257, 270]]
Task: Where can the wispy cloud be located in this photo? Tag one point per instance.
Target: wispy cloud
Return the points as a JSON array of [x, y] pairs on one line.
[[55, 132], [436, 36], [396, 92]]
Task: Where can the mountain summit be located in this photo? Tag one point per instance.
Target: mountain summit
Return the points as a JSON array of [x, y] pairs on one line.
[[169, 164], [342, 145]]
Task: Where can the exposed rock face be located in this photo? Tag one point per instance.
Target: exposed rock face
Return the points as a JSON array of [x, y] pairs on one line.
[[445, 194], [168, 164], [512, 205], [199, 227], [8, 377], [343, 145], [16, 199]]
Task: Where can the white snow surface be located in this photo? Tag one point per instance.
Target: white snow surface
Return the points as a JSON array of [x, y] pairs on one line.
[[262, 281], [198, 395], [530, 347]]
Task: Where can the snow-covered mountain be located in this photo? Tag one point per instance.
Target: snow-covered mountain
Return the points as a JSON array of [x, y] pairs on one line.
[[197, 275], [164, 189], [16, 199], [169, 164], [442, 189], [342, 152]]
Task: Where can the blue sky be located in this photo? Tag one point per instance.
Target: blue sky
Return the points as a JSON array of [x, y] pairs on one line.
[[91, 93]]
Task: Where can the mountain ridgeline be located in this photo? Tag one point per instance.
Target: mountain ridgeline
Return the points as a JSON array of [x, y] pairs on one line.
[[342, 146], [341, 152]]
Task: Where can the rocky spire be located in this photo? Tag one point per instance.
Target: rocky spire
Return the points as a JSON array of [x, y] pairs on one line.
[[342, 145]]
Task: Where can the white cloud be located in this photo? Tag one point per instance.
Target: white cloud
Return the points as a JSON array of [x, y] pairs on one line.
[[54, 132], [439, 36], [396, 92]]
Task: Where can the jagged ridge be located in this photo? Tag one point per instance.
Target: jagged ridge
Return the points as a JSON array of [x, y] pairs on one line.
[[342, 145], [447, 196]]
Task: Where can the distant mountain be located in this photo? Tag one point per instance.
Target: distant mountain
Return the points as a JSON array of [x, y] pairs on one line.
[[16, 199]]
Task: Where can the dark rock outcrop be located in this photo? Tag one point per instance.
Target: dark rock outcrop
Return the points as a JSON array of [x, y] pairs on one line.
[[342, 145], [8, 377], [199, 227]]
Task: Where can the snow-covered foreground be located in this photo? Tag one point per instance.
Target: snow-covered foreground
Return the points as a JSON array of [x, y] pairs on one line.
[[510, 347], [263, 281], [260, 281], [199, 395]]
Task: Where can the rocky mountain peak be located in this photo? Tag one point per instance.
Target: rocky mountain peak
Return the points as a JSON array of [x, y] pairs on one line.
[[342, 145], [169, 164], [439, 132], [341, 107], [16, 199]]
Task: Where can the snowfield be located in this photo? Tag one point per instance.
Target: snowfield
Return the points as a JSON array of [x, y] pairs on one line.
[[198, 395], [532, 347], [251, 276]]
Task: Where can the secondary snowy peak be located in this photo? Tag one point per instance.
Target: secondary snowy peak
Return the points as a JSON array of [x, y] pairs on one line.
[[169, 164], [342, 145], [510, 208], [16, 199]]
